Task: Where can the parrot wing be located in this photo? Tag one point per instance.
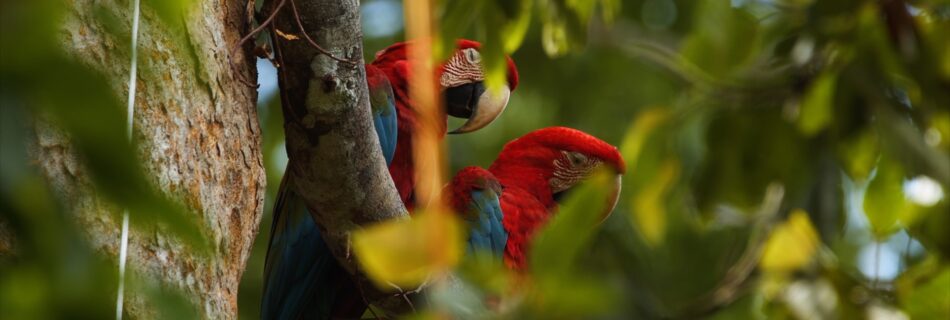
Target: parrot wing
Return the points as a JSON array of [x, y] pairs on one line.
[[383, 103], [302, 279], [475, 195]]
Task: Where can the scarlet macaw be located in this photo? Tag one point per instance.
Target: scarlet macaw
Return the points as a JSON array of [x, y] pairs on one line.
[[507, 203], [301, 277]]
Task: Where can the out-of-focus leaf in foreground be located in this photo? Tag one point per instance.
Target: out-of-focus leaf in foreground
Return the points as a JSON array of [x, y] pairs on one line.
[[555, 248], [924, 290], [885, 203], [791, 246], [649, 181], [408, 252], [81, 102], [559, 289], [816, 110]]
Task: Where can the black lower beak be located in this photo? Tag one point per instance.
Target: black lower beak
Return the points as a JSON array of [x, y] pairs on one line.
[[561, 196], [461, 101]]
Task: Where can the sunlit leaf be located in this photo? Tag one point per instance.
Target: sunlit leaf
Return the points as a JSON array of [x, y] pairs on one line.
[[493, 58], [638, 133], [792, 244], [514, 30], [406, 253], [884, 202], [860, 153], [816, 108], [649, 210], [554, 37]]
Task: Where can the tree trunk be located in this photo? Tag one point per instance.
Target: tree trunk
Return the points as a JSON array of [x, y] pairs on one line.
[[335, 159], [197, 135]]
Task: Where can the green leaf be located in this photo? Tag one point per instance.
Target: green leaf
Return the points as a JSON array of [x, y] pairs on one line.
[[723, 38], [556, 247], [816, 108], [172, 12], [924, 291], [859, 153], [83, 104], [569, 297], [884, 201], [493, 54], [514, 30], [554, 37]]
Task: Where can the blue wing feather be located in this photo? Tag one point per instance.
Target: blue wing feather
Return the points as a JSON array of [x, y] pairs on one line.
[[299, 268], [487, 231], [383, 104]]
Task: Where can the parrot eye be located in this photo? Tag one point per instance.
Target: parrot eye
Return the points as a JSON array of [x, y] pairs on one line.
[[472, 56], [577, 159]]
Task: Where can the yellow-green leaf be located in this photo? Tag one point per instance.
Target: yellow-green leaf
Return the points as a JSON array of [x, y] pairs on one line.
[[884, 202], [649, 209], [859, 154], [407, 252], [513, 31], [638, 134], [554, 37], [816, 109], [791, 245]]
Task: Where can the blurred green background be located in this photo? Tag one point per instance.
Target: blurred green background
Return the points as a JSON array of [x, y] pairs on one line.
[[787, 159]]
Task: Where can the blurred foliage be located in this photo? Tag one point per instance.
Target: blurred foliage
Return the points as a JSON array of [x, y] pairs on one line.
[[406, 253], [51, 271], [771, 149]]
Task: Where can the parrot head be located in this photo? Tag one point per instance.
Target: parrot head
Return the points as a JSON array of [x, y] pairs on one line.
[[461, 81], [552, 161]]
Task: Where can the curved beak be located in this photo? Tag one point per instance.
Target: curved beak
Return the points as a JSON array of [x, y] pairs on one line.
[[473, 102], [613, 197]]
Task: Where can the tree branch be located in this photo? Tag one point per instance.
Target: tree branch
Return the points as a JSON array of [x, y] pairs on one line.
[[336, 164]]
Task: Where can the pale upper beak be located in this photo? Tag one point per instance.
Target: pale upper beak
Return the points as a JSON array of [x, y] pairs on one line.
[[482, 110], [613, 196]]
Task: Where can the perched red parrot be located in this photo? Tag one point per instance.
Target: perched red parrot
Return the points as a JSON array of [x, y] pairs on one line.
[[506, 204], [461, 79], [302, 279]]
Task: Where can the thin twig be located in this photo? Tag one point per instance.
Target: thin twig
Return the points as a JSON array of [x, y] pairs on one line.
[[729, 287], [314, 44], [247, 37], [359, 286], [877, 265]]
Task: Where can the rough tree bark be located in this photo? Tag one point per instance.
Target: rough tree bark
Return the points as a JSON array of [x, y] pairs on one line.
[[335, 158], [197, 134]]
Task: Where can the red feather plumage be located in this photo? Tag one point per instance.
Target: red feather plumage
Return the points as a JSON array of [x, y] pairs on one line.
[[393, 62], [524, 168]]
